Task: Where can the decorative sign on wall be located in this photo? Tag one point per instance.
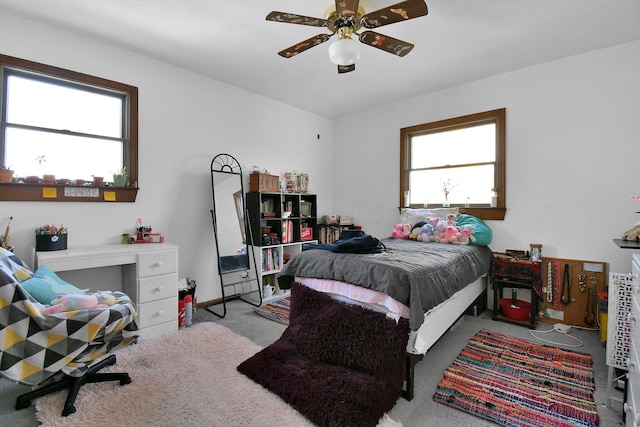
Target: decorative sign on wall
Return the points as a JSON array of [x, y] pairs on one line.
[[81, 192]]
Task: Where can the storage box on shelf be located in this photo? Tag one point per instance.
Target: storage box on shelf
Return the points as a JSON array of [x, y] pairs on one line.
[[281, 224]]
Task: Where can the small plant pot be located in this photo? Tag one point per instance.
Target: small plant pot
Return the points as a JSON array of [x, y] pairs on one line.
[[98, 181], [119, 180], [49, 179], [6, 175], [79, 182]]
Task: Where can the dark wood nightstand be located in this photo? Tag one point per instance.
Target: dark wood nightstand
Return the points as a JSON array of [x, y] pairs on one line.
[[507, 272]]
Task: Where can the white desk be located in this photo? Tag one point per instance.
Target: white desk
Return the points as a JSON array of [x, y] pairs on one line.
[[149, 277]]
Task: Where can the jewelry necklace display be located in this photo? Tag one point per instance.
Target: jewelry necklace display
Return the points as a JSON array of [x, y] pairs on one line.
[[566, 282], [581, 281], [550, 284]]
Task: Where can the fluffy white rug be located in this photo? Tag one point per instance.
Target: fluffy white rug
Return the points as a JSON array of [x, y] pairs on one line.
[[187, 378]]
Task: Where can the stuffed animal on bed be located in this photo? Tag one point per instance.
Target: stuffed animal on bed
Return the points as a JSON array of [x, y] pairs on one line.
[[450, 235], [415, 230], [439, 229], [72, 302], [426, 233], [401, 231], [466, 235]]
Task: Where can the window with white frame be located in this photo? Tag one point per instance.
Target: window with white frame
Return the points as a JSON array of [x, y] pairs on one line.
[[458, 162]]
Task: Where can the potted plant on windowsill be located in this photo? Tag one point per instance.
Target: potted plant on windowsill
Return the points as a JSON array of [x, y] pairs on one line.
[[6, 174], [120, 178]]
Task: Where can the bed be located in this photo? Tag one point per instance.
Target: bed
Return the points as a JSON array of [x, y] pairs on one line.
[[431, 284], [420, 277]]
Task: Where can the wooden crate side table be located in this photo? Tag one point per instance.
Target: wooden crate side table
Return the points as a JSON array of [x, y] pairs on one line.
[[512, 273]]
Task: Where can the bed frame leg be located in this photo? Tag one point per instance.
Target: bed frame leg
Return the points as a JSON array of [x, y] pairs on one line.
[[410, 362]]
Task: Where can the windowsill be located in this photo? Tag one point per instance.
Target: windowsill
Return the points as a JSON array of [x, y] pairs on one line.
[[56, 193], [485, 213]]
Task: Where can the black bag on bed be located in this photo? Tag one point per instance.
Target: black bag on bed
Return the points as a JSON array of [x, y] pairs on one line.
[[352, 241]]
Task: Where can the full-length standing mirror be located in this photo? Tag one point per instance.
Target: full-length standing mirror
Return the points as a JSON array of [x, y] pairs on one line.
[[231, 232]]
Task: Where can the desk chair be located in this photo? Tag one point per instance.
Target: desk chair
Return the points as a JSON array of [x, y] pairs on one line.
[[62, 350]]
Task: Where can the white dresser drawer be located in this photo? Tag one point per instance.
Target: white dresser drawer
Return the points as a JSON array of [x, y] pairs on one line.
[[157, 287], [154, 263], [159, 330], [156, 312], [632, 405]]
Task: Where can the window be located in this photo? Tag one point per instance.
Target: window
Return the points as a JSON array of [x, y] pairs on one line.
[[456, 162], [67, 124]]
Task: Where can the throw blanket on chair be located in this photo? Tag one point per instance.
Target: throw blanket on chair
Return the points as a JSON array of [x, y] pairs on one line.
[[35, 347]]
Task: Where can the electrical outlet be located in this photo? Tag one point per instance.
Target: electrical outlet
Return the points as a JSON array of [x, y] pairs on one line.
[[554, 314]]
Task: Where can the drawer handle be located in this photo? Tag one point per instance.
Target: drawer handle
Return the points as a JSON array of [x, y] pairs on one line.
[[158, 264], [159, 288], [159, 313]]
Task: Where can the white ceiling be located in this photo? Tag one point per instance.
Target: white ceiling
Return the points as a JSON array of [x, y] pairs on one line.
[[458, 41]]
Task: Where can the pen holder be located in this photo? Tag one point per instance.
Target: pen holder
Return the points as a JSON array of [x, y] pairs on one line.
[[51, 242]]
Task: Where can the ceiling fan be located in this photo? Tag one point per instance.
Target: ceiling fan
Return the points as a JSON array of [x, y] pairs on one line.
[[345, 19]]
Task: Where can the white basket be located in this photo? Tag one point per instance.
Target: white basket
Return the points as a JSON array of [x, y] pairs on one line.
[[618, 312]]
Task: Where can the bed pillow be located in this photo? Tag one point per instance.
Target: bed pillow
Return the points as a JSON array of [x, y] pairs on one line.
[[481, 230], [411, 216], [45, 286], [15, 265]]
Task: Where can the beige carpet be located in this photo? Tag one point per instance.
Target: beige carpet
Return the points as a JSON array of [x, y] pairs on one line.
[[188, 378]]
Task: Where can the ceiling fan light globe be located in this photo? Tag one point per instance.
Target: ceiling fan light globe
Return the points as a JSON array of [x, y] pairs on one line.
[[344, 51]]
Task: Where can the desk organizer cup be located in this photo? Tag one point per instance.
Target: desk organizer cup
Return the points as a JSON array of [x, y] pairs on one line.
[[51, 242], [51, 238]]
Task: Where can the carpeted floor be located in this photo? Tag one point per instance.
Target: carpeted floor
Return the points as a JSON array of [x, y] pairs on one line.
[[511, 381], [422, 411], [188, 378]]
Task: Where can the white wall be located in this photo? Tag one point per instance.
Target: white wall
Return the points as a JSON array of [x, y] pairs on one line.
[[185, 120], [573, 154], [572, 151]]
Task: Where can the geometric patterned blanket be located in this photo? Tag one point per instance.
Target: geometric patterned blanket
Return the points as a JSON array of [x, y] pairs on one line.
[[34, 347]]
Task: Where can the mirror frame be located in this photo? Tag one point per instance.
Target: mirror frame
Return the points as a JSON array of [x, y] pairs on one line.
[[227, 164]]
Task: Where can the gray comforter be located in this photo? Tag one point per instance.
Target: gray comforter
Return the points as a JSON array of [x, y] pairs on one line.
[[419, 275]]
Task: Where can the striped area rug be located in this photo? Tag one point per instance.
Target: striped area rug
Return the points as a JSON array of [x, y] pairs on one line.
[[514, 382], [277, 310]]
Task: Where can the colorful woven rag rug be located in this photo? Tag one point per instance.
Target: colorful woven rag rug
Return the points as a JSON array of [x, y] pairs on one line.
[[277, 310], [512, 382]]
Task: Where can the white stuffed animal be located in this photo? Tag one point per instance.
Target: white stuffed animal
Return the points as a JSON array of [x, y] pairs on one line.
[[633, 233]]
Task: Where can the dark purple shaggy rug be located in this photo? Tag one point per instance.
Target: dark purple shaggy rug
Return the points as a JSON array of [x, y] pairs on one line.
[[337, 364]]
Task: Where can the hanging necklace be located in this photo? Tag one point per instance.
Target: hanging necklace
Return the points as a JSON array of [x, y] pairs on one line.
[[581, 281], [550, 284], [566, 282]]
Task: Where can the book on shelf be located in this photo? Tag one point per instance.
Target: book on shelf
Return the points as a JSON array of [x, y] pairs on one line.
[[287, 231], [271, 259]]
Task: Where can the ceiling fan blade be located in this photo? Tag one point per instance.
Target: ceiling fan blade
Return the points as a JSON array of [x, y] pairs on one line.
[[386, 43], [292, 18], [346, 68], [347, 7], [304, 45], [402, 11]]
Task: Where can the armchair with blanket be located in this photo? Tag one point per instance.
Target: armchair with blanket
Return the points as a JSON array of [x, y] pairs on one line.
[[64, 348]]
